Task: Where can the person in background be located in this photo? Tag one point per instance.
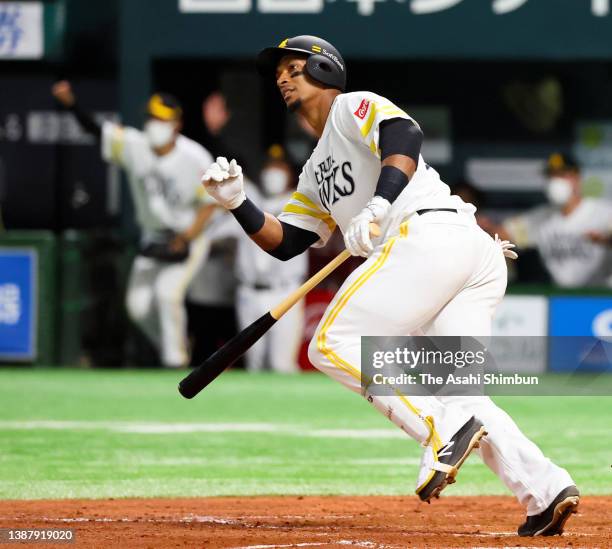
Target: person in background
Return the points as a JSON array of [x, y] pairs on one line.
[[264, 281], [469, 194], [163, 169], [570, 233]]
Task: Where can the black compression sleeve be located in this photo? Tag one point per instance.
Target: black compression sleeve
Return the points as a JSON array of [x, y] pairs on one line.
[[295, 241], [391, 182], [86, 121], [250, 217], [400, 136]]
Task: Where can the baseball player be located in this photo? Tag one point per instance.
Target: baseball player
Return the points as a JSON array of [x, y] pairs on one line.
[[265, 281], [571, 233], [432, 271], [163, 169]]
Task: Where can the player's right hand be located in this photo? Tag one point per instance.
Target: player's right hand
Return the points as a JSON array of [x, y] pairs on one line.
[[62, 91], [223, 181], [357, 236]]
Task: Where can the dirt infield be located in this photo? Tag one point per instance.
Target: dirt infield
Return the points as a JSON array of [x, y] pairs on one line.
[[267, 522]]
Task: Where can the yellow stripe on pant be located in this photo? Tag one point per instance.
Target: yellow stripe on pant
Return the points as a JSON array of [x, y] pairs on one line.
[[342, 364]]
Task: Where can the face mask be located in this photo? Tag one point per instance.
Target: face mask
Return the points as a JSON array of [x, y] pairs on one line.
[[159, 133], [274, 181], [559, 191]]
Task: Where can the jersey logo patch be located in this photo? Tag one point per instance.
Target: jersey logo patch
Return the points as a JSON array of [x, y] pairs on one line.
[[363, 109]]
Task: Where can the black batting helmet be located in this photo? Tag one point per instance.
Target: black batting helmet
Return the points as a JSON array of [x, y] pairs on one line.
[[324, 64]]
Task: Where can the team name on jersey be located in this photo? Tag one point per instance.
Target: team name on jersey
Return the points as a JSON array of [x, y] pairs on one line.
[[331, 187], [363, 109]]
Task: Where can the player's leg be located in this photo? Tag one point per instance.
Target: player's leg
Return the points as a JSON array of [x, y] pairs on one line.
[[399, 288], [286, 334], [519, 463], [248, 309], [139, 300], [170, 288]]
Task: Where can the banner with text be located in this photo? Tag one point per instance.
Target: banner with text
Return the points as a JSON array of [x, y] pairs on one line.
[[468, 366]]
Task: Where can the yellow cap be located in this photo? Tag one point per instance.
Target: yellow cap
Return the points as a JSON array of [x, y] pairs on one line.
[[276, 152], [157, 108]]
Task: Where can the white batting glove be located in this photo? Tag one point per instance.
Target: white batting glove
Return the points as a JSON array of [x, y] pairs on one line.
[[506, 247], [223, 181], [357, 237]]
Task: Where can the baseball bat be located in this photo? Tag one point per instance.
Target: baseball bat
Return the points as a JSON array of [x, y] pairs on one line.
[[225, 356]]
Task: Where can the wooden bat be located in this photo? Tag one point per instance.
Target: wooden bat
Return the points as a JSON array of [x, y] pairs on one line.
[[224, 357]]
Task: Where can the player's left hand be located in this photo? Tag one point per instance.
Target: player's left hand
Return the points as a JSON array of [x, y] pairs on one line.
[[224, 182], [357, 237]]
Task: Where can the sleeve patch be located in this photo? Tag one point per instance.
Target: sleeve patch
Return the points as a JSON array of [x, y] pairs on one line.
[[363, 109]]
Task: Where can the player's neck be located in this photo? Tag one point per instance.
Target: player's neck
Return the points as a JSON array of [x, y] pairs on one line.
[[316, 110], [571, 206], [162, 151]]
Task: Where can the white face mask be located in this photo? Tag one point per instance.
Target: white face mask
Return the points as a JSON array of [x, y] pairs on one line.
[[159, 133], [274, 181], [559, 191]]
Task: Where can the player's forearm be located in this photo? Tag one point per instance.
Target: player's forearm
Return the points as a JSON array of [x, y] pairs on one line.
[[263, 228], [86, 121], [223, 180], [270, 235], [279, 239], [202, 217]]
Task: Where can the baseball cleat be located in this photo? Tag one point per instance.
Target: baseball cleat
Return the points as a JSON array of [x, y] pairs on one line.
[[552, 520], [445, 462]]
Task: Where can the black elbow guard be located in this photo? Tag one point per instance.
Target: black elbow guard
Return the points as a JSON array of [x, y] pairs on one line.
[[400, 136], [295, 241]]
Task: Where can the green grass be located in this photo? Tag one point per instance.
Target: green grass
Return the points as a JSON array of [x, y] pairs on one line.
[[80, 433]]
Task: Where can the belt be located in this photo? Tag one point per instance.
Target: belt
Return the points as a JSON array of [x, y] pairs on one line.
[[258, 286], [263, 287], [427, 210], [255, 285]]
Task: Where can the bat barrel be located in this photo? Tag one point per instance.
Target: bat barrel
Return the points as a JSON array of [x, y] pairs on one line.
[[224, 357]]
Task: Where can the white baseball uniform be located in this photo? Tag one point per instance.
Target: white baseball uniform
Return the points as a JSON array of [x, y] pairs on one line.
[[436, 274], [167, 194], [570, 257]]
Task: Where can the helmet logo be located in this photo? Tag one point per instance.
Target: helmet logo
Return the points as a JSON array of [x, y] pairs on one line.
[[316, 49], [283, 44]]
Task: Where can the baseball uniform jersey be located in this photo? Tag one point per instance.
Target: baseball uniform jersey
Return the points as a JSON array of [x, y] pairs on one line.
[[166, 189], [570, 257], [340, 176]]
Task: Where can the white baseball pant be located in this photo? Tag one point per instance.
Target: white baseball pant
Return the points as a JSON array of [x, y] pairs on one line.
[[155, 300], [441, 275], [279, 346]]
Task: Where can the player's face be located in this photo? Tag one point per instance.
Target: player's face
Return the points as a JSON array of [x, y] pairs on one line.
[[562, 187], [276, 177], [292, 83], [161, 133]]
